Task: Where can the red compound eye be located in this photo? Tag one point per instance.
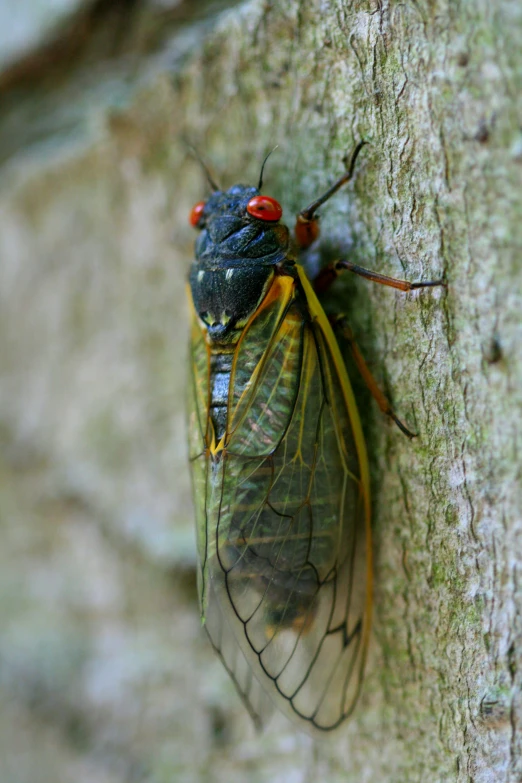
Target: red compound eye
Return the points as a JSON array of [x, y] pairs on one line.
[[265, 208], [196, 212]]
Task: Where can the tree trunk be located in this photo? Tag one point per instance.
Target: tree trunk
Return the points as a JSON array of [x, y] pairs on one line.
[[105, 673]]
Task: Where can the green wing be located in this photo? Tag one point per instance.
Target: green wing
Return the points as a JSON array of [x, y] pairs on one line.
[[283, 515]]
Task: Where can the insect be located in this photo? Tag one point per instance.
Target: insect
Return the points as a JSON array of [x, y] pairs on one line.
[[279, 464]]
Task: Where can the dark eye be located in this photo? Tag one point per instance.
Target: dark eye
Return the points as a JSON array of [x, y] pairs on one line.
[[196, 212], [265, 208]]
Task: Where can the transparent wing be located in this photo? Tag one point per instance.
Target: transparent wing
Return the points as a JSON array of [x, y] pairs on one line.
[[199, 433], [224, 642], [200, 436], [285, 552]]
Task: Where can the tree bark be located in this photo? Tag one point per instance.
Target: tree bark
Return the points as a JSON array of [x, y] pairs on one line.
[[104, 670]]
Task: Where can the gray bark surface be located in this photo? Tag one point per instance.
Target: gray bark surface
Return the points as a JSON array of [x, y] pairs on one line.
[[105, 673]]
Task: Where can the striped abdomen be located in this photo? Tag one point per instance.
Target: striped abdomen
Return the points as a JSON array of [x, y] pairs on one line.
[[220, 369]]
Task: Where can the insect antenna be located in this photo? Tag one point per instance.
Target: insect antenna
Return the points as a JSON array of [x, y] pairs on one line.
[[260, 185], [203, 165]]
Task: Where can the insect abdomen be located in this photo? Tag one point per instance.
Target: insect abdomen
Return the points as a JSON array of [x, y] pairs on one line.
[[220, 369]]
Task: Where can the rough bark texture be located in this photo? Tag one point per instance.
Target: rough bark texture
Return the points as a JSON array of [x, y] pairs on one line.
[[105, 674]]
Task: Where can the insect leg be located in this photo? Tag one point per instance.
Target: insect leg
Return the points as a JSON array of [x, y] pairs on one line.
[[307, 225], [341, 324], [329, 273], [402, 285]]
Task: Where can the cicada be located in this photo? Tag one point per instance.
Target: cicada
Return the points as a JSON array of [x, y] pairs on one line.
[[279, 463]]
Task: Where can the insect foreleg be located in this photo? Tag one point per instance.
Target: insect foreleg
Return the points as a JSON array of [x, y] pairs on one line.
[[307, 224], [340, 324]]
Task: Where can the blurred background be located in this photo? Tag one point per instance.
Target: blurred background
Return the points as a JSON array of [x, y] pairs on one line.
[[105, 673]]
